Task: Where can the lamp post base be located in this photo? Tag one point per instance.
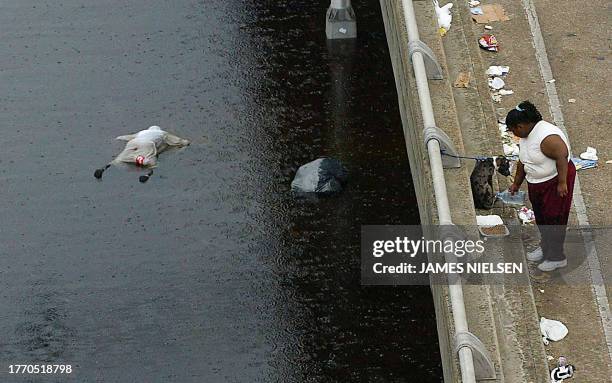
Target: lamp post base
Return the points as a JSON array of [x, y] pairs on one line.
[[341, 22]]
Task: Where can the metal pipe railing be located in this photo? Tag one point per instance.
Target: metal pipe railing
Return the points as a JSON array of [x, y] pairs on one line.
[[466, 361]]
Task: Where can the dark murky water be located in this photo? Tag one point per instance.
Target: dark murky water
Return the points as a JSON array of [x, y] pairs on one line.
[[210, 272]]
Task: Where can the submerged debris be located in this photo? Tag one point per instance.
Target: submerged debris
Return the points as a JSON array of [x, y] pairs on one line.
[[321, 176]]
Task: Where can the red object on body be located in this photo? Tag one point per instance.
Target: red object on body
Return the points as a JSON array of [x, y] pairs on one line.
[[140, 160]]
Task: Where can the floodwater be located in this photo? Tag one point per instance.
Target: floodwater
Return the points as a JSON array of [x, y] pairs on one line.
[[211, 271]]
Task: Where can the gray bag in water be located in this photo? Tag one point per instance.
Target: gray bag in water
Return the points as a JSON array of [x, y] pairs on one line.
[[324, 175]]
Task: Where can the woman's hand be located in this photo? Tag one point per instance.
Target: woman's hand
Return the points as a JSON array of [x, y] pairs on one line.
[[514, 188], [562, 189]]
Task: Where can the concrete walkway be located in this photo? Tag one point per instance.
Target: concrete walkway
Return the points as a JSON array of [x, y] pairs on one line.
[[506, 317], [574, 41]]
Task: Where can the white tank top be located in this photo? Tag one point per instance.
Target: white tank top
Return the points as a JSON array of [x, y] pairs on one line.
[[538, 167]]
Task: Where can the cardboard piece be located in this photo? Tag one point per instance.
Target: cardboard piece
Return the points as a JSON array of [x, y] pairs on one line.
[[463, 80], [492, 12]]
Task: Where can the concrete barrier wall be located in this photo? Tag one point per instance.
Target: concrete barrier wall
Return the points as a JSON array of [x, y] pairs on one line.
[[419, 166]]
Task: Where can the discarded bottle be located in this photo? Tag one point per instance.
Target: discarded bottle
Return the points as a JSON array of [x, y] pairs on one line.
[[517, 199]]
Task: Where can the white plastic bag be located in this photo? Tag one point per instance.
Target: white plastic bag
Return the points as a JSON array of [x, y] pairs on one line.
[[552, 330], [498, 70], [496, 83]]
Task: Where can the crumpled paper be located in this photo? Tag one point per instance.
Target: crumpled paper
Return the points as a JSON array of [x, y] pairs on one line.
[[526, 215]]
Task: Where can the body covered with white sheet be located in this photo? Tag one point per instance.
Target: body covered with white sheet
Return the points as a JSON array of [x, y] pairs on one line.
[[143, 147]]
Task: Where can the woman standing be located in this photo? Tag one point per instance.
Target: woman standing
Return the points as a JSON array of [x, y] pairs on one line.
[[544, 160]]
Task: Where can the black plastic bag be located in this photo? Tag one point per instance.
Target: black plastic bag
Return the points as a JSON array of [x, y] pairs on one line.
[[321, 176]]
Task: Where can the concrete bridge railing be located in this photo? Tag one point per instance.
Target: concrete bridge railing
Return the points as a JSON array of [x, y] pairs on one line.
[[473, 359]]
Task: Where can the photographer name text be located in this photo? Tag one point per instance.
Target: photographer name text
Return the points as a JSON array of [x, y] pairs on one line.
[[450, 268]]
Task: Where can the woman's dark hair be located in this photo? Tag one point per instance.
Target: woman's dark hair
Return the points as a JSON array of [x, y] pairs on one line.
[[524, 112]]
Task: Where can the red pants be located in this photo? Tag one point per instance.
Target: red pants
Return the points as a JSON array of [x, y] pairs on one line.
[[552, 212]]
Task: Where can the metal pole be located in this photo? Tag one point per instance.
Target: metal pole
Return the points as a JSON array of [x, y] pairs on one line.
[[466, 361], [340, 4]]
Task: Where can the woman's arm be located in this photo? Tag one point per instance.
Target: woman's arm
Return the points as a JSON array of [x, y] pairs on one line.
[[519, 177], [554, 147]]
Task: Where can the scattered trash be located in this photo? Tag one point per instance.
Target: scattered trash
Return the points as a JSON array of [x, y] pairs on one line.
[[551, 81], [562, 371], [142, 149], [517, 199], [583, 164], [571, 100], [323, 175], [590, 154], [496, 97], [497, 70], [609, 162], [506, 92], [488, 220], [511, 149], [510, 140], [476, 11], [444, 17], [496, 83], [542, 291], [526, 215], [488, 27], [474, 3], [496, 231], [463, 80], [489, 43], [491, 226], [552, 330], [492, 12]]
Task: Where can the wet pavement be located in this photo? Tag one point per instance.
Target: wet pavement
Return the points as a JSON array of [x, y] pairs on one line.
[[211, 271]]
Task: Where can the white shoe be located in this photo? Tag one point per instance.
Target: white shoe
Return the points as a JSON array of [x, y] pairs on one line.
[[552, 265], [536, 255]]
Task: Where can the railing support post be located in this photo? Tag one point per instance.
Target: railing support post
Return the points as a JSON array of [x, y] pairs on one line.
[[466, 345]]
